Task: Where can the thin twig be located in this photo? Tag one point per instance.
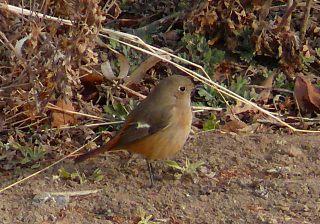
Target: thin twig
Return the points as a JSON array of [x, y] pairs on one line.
[[305, 20], [54, 107], [286, 17], [273, 89]]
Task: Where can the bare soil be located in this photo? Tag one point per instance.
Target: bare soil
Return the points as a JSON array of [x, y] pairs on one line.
[[251, 178]]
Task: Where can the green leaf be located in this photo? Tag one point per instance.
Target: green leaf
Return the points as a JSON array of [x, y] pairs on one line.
[[197, 164], [210, 123], [25, 160], [98, 178], [36, 165], [63, 173], [16, 145], [173, 164]]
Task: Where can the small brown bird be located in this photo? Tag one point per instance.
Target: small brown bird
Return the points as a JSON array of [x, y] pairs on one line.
[[158, 127]]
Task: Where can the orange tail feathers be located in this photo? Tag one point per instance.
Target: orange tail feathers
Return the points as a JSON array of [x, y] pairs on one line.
[[97, 151]]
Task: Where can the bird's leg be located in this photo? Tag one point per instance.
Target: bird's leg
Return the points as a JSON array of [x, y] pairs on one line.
[[151, 173]]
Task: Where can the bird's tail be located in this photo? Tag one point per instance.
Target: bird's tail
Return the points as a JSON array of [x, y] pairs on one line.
[[97, 151]]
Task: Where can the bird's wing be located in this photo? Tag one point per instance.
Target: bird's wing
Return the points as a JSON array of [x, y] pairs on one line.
[[151, 123]]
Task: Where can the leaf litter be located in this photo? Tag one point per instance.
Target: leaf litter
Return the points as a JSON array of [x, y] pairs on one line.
[[243, 179]]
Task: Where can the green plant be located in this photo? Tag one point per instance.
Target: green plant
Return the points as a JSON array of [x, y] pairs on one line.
[[119, 110], [317, 51], [81, 177], [147, 220], [5, 146], [307, 60], [281, 142], [96, 176], [209, 96], [30, 154], [238, 85], [245, 48], [200, 52], [188, 169], [210, 123]]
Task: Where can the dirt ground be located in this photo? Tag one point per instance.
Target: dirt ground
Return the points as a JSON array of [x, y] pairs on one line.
[[252, 178]]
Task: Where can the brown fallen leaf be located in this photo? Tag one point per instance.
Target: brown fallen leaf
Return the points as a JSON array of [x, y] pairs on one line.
[[61, 118], [265, 93], [106, 66], [307, 95], [141, 71], [222, 71], [241, 107], [172, 35], [233, 126]]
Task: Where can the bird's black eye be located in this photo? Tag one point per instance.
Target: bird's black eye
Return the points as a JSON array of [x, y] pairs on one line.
[[182, 88]]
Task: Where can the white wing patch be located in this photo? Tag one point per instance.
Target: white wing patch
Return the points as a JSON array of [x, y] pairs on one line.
[[142, 125]]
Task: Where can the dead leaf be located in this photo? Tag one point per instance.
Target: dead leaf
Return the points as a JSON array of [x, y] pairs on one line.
[[249, 128], [92, 78], [203, 17], [106, 67], [222, 71], [233, 126], [19, 44], [138, 74], [307, 95], [241, 107], [112, 10], [107, 70], [171, 35], [30, 110], [61, 118], [265, 93]]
